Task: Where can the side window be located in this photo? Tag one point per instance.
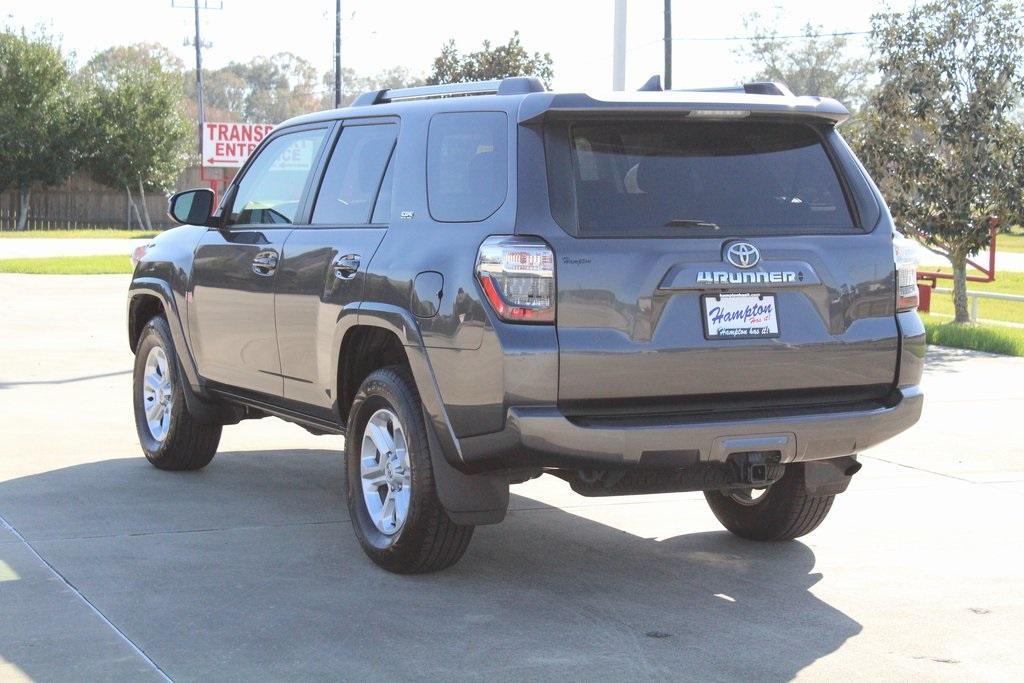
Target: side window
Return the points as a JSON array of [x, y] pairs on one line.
[[270, 191], [467, 165], [349, 189]]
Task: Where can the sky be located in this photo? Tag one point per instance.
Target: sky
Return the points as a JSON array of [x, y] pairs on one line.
[[379, 34]]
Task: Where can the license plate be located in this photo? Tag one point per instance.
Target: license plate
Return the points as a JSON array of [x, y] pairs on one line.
[[740, 316]]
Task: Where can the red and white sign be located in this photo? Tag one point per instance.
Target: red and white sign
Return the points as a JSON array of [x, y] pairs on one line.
[[229, 144]]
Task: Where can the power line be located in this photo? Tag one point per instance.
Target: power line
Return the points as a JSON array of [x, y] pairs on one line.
[[800, 36], [774, 37]]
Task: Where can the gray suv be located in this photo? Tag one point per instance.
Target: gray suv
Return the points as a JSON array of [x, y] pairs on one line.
[[481, 283]]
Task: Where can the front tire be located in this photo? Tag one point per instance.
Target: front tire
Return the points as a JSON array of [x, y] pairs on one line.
[[782, 512], [393, 503], [170, 436]]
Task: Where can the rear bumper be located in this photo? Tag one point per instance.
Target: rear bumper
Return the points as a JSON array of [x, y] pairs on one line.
[[544, 437]]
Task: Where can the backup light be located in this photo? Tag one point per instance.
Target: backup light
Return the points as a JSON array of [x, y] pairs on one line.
[[517, 275], [904, 253]]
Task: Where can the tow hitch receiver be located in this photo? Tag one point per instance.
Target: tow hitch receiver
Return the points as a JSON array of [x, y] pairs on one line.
[[758, 468]]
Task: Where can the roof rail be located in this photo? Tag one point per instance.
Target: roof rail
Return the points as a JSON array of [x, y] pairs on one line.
[[514, 85]]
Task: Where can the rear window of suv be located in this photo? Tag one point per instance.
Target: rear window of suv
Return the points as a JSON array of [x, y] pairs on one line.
[[695, 178]]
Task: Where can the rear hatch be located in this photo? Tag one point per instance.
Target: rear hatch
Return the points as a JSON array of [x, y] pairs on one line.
[[714, 265]]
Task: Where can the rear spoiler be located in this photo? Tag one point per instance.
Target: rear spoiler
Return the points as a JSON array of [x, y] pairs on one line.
[[539, 106]]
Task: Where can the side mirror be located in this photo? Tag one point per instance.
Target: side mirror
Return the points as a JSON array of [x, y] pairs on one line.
[[193, 207]]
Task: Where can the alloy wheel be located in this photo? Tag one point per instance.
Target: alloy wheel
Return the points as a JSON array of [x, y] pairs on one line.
[[386, 472], [157, 393]]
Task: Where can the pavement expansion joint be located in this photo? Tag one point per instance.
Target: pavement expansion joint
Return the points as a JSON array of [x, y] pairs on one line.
[[91, 607]]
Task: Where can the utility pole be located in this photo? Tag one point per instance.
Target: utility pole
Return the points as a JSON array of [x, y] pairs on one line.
[[668, 45], [337, 54], [201, 110], [619, 47]]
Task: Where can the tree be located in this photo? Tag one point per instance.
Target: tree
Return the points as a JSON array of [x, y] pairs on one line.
[[510, 59], [817, 63], [224, 96], [119, 59], [353, 85], [939, 134], [41, 136], [264, 89], [142, 138]]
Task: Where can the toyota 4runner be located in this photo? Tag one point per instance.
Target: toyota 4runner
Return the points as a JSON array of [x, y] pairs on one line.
[[480, 283]]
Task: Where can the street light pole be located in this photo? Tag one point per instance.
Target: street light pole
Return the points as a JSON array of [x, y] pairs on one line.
[[619, 47], [337, 54], [199, 81], [668, 44]]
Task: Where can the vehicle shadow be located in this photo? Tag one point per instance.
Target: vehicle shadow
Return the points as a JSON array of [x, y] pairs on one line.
[[7, 384], [249, 570]]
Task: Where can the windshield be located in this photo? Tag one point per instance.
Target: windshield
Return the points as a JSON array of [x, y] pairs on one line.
[[702, 178]]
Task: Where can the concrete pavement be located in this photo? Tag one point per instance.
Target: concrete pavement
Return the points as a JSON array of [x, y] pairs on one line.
[[249, 570]]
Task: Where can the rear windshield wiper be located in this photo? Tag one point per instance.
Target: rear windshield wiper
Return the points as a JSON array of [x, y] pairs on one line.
[[690, 223]]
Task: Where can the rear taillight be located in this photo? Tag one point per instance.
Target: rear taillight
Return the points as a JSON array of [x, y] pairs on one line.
[[517, 275], [904, 253]]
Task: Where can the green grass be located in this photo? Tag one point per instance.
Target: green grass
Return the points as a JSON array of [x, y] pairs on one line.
[[68, 265], [990, 309], [85, 233], [978, 337], [1012, 241]]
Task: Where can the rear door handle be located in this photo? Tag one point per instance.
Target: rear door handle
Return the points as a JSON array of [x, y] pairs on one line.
[[346, 267], [265, 262]]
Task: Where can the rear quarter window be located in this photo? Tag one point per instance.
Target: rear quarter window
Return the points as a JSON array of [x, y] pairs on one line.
[[467, 165]]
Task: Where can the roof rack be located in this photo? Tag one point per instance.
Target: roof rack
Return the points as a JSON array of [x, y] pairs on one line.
[[514, 85], [753, 88]]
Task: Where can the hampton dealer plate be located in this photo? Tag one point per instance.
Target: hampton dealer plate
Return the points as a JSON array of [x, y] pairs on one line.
[[740, 316]]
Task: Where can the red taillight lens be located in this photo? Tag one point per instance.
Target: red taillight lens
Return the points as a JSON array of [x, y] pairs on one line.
[[904, 253], [517, 275]]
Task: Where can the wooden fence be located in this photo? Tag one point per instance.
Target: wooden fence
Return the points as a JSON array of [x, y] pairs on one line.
[[81, 202]]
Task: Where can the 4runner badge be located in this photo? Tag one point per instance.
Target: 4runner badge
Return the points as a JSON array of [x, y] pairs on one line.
[[721, 277]]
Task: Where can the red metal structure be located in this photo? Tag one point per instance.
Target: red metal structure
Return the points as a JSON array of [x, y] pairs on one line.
[[927, 278]]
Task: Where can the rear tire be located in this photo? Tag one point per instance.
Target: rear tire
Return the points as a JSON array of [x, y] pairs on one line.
[[170, 436], [783, 512], [392, 500]]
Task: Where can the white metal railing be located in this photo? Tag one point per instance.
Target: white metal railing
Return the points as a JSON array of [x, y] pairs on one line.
[[974, 296]]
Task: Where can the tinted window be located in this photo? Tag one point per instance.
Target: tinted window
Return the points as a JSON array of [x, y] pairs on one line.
[[467, 165], [349, 188], [682, 177], [270, 191]]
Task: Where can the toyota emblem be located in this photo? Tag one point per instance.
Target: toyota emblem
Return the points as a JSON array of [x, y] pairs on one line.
[[742, 255]]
